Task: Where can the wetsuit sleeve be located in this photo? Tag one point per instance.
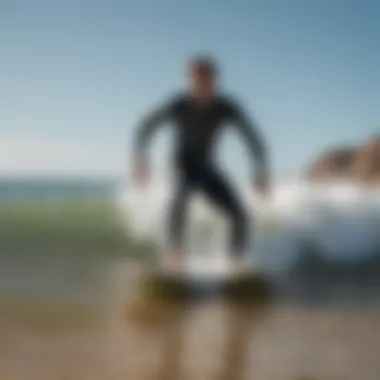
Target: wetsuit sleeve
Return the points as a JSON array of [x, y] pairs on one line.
[[252, 136], [148, 126]]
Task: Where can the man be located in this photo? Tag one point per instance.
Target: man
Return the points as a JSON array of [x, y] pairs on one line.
[[198, 116]]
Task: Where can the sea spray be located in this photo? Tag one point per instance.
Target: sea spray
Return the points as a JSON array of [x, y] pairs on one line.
[[340, 221]]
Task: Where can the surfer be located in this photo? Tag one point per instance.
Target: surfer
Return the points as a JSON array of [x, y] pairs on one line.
[[198, 116]]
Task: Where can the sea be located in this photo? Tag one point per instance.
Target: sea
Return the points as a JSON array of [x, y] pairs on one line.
[[341, 221], [75, 260], [40, 189]]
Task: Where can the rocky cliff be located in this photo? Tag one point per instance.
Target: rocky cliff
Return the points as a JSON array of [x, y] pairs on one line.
[[360, 164]]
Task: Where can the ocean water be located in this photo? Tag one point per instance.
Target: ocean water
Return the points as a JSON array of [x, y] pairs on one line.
[[337, 223], [43, 189], [309, 230], [70, 305], [56, 236]]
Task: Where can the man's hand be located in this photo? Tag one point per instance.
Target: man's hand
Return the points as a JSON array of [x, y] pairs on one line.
[[262, 184], [141, 172]]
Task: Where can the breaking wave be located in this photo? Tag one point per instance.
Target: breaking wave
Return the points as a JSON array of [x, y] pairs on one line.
[[338, 223]]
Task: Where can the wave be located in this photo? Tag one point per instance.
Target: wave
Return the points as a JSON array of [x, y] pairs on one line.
[[334, 224], [67, 224], [338, 222]]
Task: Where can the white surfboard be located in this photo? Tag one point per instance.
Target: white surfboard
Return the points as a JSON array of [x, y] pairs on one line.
[[215, 268]]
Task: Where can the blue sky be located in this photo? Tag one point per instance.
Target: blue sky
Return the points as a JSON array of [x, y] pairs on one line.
[[76, 76]]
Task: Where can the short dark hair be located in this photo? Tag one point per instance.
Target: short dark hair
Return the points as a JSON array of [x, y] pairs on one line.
[[204, 63]]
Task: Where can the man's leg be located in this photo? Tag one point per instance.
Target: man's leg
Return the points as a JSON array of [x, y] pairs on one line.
[[178, 216], [223, 195]]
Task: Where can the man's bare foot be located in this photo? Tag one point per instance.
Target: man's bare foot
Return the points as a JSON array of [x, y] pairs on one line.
[[174, 261], [239, 266]]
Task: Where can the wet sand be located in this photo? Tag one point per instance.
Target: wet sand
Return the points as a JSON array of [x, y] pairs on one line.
[[141, 338]]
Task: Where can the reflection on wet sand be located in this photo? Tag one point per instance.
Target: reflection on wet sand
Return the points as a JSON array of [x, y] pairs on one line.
[[226, 357], [213, 339], [241, 320], [172, 349]]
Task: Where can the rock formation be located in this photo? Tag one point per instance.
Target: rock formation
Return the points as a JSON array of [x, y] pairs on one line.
[[360, 164]]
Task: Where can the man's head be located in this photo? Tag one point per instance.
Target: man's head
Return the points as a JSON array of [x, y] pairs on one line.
[[202, 77]]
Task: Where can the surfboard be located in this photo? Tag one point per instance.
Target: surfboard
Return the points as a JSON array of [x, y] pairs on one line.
[[210, 269], [207, 275]]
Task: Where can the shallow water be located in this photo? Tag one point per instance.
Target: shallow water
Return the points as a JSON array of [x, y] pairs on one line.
[[71, 306], [95, 323]]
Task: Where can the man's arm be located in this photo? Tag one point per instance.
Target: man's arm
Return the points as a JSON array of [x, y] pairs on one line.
[[147, 127], [145, 130], [253, 137]]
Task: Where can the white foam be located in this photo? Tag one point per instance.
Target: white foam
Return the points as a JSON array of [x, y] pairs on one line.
[[341, 219]]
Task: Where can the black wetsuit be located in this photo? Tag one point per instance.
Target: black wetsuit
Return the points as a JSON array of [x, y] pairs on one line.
[[197, 128]]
